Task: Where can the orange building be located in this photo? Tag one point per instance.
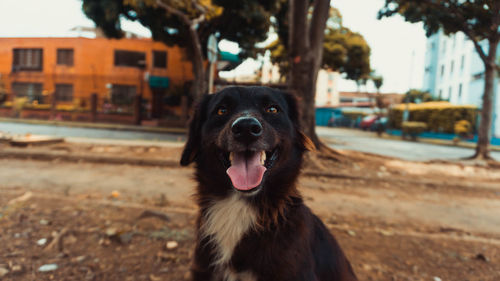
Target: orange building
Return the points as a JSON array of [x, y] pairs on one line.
[[72, 69]]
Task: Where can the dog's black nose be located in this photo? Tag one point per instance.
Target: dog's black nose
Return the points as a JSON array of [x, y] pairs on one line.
[[246, 129]]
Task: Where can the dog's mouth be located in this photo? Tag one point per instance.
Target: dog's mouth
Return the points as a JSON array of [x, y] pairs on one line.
[[246, 168]]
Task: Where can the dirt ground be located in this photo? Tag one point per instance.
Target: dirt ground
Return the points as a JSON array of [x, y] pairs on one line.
[[396, 220]]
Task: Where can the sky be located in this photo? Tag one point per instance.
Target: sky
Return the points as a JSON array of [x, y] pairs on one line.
[[397, 47]]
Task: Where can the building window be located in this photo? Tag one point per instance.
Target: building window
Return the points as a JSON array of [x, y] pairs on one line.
[[32, 91], [444, 46], [130, 58], [440, 94], [442, 70], [65, 57], [478, 76], [462, 62], [459, 90], [64, 92], [452, 64], [449, 92], [123, 94], [27, 59], [160, 59]]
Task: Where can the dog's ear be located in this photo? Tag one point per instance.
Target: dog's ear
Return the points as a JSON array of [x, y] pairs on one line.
[[193, 142], [294, 114]]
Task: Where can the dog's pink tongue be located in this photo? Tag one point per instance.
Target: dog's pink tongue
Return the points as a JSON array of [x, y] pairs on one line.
[[246, 172]]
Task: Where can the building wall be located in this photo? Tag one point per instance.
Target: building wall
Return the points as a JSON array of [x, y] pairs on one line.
[[93, 69], [327, 93], [457, 73]]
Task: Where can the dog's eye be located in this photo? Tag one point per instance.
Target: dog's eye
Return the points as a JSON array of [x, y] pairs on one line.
[[272, 109], [221, 110]]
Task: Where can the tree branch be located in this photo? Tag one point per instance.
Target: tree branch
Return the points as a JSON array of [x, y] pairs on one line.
[[318, 23], [299, 36], [174, 11], [466, 28]]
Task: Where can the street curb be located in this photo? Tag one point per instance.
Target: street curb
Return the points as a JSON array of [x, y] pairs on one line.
[[104, 126], [441, 142], [51, 156]]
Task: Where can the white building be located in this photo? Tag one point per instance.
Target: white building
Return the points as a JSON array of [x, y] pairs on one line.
[[454, 71], [327, 93]]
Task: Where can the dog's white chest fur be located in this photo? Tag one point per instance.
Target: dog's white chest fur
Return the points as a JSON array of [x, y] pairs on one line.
[[226, 221]]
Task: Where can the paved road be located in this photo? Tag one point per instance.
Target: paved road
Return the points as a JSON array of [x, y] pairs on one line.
[[368, 142], [342, 139], [61, 131]]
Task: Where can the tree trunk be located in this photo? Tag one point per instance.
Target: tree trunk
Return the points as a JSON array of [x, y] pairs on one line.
[[306, 52], [199, 86], [484, 134]]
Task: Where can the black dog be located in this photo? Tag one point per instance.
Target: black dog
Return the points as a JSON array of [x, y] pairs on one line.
[[253, 224]]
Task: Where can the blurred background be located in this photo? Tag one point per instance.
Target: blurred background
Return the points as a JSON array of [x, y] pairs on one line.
[[402, 99]]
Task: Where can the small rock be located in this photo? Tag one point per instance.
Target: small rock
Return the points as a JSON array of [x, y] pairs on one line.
[[435, 278], [367, 267], [171, 245], [48, 267], [482, 257], [111, 231], [80, 259], [44, 222], [125, 238], [154, 278], [3, 272], [16, 269], [385, 232], [167, 256], [114, 194], [351, 232], [41, 242]]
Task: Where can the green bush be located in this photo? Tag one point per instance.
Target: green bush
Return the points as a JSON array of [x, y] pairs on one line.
[[413, 129], [437, 116]]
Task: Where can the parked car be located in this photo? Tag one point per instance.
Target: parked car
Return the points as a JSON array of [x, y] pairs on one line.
[[367, 122], [380, 125]]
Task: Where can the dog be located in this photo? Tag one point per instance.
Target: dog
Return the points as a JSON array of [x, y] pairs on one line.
[[253, 224]]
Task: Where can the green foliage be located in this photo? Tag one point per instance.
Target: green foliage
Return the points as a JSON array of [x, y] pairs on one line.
[[463, 128], [417, 96], [377, 80], [347, 52], [451, 15], [343, 50], [413, 128], [438, 116], [245, 22]]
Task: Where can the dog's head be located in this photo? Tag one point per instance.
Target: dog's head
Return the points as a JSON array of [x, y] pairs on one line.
[[246, 138]]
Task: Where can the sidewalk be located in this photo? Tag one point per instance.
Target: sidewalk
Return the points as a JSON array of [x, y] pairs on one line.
[[465, 144], [104, 126]]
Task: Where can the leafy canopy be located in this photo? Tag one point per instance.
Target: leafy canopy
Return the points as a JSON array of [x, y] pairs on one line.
[[245, 21], [477, 19], [343, 50]]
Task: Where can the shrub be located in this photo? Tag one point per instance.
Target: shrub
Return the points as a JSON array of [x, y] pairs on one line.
[[413, 129], [438, 116], [463, 128]]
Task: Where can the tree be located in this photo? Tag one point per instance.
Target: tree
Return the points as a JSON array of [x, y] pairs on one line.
[[479, 20], [343, 50], [305, 46], [315, 39], [378, 81], [347, 52], [417, 96], [188, 24]]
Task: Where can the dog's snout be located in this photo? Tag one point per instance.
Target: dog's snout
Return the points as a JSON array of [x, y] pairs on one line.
[[246, 129]]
